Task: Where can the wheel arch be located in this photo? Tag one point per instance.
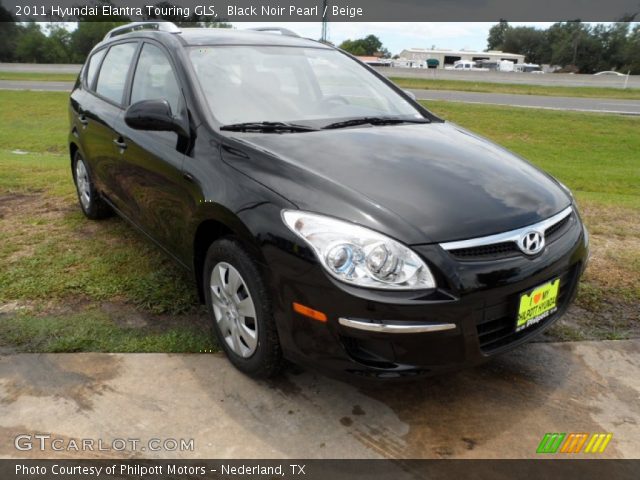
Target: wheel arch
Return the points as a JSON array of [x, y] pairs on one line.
[[73, 149], [215, 227]]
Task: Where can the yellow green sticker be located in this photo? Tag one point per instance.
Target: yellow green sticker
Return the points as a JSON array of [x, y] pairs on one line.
[[537, 304]]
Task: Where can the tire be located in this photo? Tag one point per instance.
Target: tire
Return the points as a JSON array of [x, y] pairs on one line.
[[92, 205], [240, 309]]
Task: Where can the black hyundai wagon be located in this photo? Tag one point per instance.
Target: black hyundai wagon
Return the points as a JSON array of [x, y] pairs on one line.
[[326, 216]]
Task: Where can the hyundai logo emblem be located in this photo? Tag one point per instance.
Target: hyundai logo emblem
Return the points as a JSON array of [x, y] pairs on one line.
[[531, 242]]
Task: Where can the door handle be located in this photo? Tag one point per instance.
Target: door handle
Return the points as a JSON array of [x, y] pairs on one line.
[[83, 120], [121, 144]]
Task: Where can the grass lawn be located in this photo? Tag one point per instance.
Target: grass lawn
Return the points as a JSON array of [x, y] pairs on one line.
[[69, 284], [520, 89], [38, 76]]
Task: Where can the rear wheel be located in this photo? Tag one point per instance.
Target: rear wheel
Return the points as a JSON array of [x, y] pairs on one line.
[[92, 205], [240, 309]]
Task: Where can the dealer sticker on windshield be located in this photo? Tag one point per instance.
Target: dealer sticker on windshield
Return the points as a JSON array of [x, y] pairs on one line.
[[537, 304]]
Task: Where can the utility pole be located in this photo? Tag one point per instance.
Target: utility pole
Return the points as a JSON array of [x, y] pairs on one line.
[[325, 21]]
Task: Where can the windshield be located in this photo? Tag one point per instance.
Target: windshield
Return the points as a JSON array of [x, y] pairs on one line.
[[291, 84]]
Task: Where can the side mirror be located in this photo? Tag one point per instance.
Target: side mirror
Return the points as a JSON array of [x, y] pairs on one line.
[[154, 115], [410, 94]]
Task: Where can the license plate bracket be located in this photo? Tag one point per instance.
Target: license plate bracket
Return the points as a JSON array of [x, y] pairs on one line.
[[537, 304]]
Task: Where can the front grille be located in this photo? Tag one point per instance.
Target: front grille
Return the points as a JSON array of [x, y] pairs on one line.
[[497, 250], [497, 326], [510, 248], [557, 230]]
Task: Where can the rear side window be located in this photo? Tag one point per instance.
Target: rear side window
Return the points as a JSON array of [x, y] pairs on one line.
[[113, 74], [92, 67], [154, 78]]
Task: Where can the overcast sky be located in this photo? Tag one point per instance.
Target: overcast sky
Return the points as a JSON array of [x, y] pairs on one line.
[[398, 36]]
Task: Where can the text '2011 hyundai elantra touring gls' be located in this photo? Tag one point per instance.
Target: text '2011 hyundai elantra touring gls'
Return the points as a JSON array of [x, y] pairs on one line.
[[327, 217]]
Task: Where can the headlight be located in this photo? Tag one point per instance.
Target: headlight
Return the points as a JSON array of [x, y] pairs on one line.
[[360, 256]]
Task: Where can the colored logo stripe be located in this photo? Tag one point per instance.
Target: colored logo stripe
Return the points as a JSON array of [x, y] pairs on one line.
[[550, 442], [574, 442], [598, 442]]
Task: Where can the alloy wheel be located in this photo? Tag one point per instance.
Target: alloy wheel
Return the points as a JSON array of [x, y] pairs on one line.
[[234, 310], [83, 185]]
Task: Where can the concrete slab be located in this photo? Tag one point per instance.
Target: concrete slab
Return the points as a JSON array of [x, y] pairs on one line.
[[499, 410]]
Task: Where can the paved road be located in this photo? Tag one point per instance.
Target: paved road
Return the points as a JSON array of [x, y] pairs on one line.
[[40, 67], [36, 85], [499, 410], [629, 107], [602, 105]]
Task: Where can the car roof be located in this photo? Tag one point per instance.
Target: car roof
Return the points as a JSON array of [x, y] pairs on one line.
[[228, 36], [222, 36]]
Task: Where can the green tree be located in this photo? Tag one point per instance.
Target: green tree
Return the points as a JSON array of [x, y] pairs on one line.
[[59, 44], [495, 40], [86, 36], [632, 52], [32, 45], [528, 41], [9, 31], [573, 44], [368, 46], [91, 30]]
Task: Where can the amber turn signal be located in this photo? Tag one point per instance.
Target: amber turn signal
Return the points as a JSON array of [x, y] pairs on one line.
[[309, 312]]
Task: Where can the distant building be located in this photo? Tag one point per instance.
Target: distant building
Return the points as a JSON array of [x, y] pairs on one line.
[[419, 57], [375, 61]]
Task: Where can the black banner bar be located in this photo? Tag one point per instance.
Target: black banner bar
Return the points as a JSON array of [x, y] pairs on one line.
[[332, 10], [565, 469]]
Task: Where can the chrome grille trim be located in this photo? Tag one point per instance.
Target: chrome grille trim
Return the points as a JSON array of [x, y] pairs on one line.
[[510, 236]]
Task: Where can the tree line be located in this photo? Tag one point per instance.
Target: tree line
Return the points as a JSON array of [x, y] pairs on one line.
[[575, 46], [29, 43]]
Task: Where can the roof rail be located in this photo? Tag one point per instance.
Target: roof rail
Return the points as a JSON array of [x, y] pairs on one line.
[[282, 31], [131, 27]]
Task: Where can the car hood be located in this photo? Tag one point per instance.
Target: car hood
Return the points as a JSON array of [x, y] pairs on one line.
[[420, 183]]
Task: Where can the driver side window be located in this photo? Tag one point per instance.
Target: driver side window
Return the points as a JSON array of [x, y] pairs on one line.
[[155, 79]]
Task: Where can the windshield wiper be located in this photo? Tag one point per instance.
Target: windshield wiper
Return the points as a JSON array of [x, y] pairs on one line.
[[373, 121], [267, 127]]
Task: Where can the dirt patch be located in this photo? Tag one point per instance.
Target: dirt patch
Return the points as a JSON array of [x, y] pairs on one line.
[[127, 316], [613, 320], [27, 218], [10, 201], [33, 204], [615, 248]]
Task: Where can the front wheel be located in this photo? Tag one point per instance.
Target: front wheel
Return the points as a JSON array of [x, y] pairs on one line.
[[93, 206], [240, 309]]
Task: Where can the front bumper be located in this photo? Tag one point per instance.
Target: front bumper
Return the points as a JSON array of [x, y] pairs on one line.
[[468, 319]]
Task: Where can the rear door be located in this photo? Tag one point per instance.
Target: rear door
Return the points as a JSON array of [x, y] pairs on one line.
[[150, 165], [84, 125]]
